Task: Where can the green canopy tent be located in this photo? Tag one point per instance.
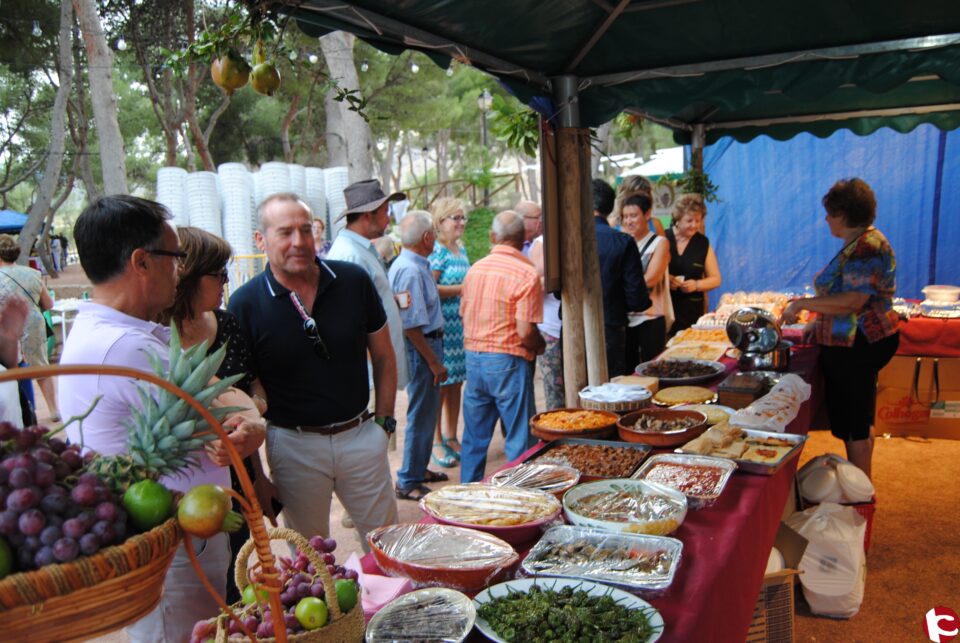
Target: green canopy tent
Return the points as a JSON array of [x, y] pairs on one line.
[[738, 68], [705, 68]]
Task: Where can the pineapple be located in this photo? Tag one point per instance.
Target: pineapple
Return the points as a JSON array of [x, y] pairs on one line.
[[162, 435]]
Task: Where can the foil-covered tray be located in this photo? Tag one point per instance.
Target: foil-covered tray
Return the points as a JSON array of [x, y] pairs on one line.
[[701, 478], [552, 453], [633, 561]]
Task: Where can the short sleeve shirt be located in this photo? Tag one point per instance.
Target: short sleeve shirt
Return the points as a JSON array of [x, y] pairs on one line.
[[411, 273], [303, 388], [865, 265], [105, 336], [499, 290]]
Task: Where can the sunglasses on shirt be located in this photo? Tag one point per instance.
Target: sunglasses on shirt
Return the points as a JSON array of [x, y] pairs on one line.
[[310, 328]]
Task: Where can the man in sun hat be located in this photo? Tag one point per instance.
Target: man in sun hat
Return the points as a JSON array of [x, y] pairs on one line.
[[367, 220]]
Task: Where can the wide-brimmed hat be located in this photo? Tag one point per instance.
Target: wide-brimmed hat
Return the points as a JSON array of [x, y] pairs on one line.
[[366, 196]]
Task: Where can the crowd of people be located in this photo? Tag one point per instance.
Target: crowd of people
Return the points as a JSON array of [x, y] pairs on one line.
[[327, 333]]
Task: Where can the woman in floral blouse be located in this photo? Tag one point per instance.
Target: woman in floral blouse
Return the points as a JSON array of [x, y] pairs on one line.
[[855, 324]]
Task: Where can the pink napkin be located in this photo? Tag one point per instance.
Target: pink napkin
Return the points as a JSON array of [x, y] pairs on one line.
[[375, 590]]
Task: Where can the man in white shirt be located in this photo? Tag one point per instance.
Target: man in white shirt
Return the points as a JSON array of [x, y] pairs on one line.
[[131, 253]]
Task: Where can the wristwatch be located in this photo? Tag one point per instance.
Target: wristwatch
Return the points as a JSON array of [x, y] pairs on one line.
[[387, 423]]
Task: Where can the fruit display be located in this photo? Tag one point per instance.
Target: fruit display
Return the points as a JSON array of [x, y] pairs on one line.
[[205, 511], [303, 598], [52, 510]]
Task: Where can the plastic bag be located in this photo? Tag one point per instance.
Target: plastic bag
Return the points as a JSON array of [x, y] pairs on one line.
[[775, 410], [834, 565]]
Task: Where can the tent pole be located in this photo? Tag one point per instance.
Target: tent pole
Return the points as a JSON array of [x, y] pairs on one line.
[[584, 356]]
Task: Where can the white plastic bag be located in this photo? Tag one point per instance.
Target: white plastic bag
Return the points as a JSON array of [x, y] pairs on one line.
[[834, 565]]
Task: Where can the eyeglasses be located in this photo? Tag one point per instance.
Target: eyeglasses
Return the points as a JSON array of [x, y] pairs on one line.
[[310, 328], [222, 275], [179, 255]]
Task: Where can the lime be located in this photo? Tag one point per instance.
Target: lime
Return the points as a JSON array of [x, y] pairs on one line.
[[346, 594], [311, 612], [149, 503], [6, 558], [250, 595]]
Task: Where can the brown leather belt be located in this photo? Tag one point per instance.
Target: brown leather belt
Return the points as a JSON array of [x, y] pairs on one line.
[[434, 334], [333, 429]]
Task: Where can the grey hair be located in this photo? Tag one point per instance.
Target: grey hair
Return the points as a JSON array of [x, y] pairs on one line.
[[413, 226], [279, 196], [508, 227]]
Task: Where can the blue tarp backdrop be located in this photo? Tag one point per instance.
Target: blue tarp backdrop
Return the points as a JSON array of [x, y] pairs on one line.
[[769, 231]]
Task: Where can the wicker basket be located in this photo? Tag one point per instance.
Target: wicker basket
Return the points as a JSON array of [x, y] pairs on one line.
[[614, 407], [66, 602], [121, 584], [341, 628], [135, 554]]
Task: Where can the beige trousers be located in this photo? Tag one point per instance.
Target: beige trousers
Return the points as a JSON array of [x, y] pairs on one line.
[[308, 468]]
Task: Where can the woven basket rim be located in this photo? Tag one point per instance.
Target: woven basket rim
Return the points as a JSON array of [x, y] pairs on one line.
[[36, 577]]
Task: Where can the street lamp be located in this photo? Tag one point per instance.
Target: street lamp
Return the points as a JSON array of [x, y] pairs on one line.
[[426, 196], [484, 102]]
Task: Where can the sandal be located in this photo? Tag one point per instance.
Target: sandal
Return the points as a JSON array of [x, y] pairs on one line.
[[447, 460], [416, 492], [450, 450], [435, 476]]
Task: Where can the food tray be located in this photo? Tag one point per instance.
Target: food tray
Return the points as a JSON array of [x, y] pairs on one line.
[[547, 434], [435, 614], [594, 589], [706, 410], [632, 506], [767, 469], [543, 476], [489, 502], [699, 350], [619, 571], [694, 500], [429, 555], [584, 477], [717, 367]]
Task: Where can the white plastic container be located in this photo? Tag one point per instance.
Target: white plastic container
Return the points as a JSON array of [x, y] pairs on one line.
[[942, 294]]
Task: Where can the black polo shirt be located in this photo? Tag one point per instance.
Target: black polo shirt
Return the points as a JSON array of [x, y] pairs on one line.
[[302, 388]]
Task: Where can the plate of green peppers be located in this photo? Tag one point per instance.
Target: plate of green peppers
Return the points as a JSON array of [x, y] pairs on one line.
[[564, 609]]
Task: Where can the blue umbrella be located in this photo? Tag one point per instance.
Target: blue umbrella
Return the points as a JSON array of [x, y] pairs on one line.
[[12, 221]]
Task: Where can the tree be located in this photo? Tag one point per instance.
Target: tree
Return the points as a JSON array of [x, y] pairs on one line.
[[41, 212], [341, 121], [102, 97]]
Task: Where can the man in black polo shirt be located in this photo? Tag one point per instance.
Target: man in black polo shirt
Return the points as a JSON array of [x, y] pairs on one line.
[[310, 324]]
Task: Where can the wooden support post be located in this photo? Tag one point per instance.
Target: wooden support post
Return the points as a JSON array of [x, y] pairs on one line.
[[571, 251], [594, 333]]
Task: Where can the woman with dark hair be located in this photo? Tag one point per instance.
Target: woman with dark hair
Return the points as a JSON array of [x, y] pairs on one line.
[[647, 330], [26, 282], [855, 324], [693, 264], [197, 314]]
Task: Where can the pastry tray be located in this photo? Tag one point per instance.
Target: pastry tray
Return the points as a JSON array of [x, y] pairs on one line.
[[610, 572], [585, 477], [761, 468]]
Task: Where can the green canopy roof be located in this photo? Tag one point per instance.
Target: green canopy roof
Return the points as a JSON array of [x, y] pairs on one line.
[[739, 68]]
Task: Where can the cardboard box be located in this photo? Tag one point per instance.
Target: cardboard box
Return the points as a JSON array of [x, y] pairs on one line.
[[773, 617], [919, 396]]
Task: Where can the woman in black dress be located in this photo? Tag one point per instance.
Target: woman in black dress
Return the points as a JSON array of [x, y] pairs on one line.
[[197, 314], [693, 264]]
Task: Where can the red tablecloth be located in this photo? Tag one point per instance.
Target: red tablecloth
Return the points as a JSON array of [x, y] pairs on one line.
[[925, 336], [726, 546]]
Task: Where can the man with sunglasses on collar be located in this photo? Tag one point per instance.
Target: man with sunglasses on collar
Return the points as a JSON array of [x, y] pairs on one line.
[[310, 324]]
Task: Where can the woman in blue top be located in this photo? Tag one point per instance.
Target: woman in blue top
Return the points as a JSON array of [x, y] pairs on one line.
[[450, 264]]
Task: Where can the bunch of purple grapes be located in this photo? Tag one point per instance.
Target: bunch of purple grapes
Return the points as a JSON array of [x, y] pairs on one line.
[[300, 579], [43, 519]]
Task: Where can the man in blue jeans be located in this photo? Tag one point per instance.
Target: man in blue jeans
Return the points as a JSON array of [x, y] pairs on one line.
[[419, 302], [501, 304]]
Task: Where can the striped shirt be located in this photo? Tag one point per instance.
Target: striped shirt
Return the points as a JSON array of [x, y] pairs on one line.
[[500, 289]]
